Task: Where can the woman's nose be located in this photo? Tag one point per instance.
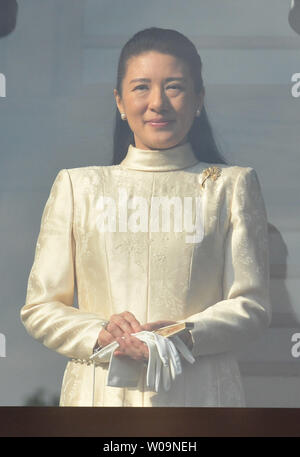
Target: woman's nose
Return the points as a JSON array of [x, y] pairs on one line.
[[158, 99]]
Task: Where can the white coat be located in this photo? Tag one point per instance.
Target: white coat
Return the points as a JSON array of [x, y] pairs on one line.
[[219, 279]]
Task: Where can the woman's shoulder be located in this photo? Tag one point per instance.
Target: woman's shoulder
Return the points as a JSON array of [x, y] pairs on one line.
[[79, 171], [90, 171], [78, 176]]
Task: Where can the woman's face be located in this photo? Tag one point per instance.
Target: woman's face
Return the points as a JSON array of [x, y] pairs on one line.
[[158, 87]]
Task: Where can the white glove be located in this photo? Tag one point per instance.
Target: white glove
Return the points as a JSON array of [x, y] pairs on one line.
[[164, 362]]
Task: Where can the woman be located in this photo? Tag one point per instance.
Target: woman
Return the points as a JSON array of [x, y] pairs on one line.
[[97, 232]]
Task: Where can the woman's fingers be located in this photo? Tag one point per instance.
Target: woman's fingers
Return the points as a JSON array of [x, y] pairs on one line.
[[118, 325], [122, 323], [105, 337], [132, 347], [131, 319], [114, 329], [126, 323]]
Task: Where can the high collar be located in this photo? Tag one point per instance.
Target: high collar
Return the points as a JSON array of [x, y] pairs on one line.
[[175, 158]]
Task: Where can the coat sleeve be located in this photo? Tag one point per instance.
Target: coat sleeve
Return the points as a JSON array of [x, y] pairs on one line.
[[48, 314], [245, 311]]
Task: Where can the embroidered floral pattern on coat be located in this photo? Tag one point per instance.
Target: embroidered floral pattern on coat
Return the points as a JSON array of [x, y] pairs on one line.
[[220, 282]]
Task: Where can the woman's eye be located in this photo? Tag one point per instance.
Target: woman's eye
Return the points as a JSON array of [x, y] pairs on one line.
[[141, 86], [174, 87]]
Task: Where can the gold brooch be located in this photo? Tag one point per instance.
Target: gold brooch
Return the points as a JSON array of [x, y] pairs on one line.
[[211, 172]]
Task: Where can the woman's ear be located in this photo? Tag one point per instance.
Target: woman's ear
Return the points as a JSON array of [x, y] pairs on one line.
[[201, 98], [118, 101]]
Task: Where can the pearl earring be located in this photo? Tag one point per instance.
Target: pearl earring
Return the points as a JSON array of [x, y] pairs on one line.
[[198, 112], [123, 116]]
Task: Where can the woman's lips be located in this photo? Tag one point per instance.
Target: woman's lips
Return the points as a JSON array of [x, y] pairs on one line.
[[159, 124]]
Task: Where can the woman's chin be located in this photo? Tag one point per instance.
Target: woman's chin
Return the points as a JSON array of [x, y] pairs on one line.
[[164, 142]]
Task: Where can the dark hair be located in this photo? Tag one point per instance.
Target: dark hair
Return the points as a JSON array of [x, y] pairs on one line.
[[171, 42]]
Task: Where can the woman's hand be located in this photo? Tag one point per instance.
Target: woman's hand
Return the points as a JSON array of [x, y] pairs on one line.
[[135, 348], [130, 346], [119, 329], [118, 325]]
